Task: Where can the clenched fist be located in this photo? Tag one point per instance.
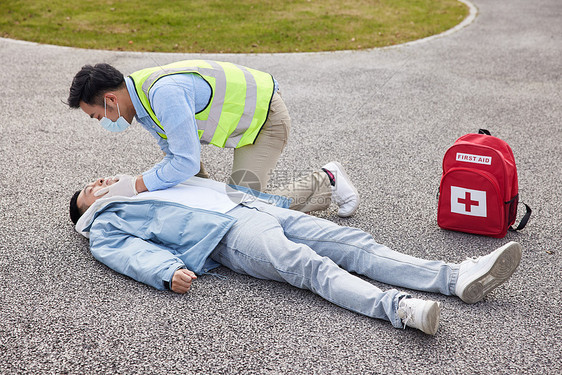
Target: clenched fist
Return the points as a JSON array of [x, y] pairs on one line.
[[182, 279]]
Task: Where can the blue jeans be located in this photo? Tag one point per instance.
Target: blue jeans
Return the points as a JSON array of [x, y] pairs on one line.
[[273, 243]]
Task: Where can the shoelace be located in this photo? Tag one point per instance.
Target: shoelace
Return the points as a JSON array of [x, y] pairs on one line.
[[409, 315]]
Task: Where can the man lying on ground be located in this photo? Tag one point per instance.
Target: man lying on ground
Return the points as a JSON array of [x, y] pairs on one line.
[[166, 238]]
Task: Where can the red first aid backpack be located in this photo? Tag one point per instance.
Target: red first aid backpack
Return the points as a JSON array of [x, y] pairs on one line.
[[478, 191]]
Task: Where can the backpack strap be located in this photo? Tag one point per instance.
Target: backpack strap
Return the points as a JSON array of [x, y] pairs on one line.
[[524, 220], [527, 215]]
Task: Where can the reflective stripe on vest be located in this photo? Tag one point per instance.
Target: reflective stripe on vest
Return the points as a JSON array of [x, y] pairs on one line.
[[239, 104]]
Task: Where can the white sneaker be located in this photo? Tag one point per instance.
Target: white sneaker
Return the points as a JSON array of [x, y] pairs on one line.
[[479, 276], [344, 194], [420, 314]]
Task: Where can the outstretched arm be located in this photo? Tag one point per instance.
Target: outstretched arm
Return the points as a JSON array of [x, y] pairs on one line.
[[174, 106]]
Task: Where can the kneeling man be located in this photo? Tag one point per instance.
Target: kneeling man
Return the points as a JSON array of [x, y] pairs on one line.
[[166, 238]]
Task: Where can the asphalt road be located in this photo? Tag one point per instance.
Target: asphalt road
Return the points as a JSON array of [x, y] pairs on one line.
[[388, 115]]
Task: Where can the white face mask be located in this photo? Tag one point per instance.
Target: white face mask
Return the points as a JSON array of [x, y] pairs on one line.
[[113, 126]]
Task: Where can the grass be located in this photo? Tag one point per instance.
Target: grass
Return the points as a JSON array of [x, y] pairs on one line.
[[225, 26]]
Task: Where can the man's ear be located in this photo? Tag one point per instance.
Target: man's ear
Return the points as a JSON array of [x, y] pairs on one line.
[[110, 97]]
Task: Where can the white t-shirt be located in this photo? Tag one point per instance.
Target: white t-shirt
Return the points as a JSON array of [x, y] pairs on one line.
[[200, 193]]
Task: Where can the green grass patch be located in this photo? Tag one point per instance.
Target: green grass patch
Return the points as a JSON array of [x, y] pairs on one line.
[[223, 26]]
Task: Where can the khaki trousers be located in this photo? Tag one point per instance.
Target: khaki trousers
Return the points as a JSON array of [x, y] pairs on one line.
[[253, 164]]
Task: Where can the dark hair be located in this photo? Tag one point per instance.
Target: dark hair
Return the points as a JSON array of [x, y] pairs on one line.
[[91, 82], [74, 210]]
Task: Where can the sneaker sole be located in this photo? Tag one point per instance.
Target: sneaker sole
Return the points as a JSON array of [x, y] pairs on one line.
[[507, 261], [340, 167], [431, 318]]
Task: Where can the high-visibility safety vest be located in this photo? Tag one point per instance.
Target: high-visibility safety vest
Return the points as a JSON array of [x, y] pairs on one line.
[[239, 104]]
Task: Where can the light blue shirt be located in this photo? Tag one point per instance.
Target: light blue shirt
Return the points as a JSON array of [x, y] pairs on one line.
[[175, 100]]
